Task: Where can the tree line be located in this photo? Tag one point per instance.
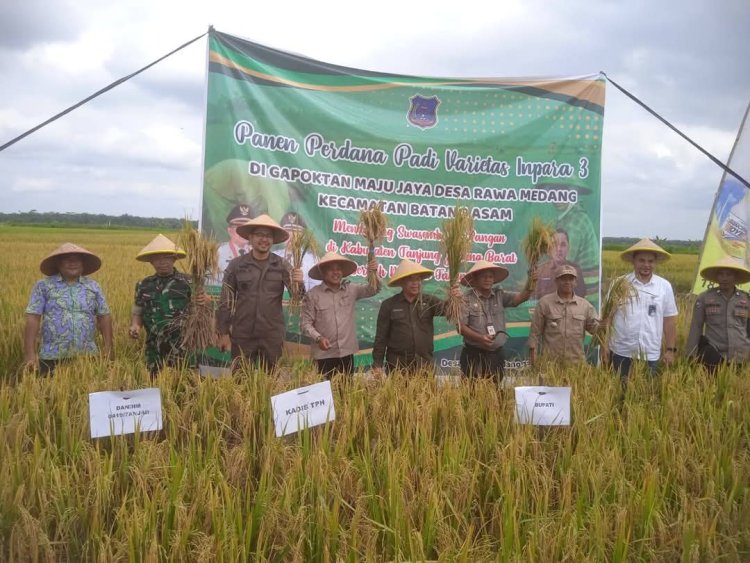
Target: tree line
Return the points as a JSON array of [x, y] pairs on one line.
[[91, 220], [102, 221]]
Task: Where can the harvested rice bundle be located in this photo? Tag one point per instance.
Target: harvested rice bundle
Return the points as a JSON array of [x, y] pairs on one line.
[[201, 262], [619, 293], [301, 242], [538, 243], [373, 224], [455, 245]]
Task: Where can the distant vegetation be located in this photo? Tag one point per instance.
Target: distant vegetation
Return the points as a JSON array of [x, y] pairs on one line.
[[101, 221], [90, 220]]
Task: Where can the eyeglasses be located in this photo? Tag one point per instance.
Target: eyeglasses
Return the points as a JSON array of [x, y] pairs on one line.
[[262, 234]]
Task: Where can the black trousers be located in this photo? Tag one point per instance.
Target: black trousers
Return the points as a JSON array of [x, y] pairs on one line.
[[329, 366], [486, 364], [47, 367]]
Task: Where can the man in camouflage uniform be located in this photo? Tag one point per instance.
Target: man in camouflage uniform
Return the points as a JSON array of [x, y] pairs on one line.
[[160, 302]]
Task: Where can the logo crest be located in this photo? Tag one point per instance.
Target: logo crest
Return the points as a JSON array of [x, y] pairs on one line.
[[423, 111]]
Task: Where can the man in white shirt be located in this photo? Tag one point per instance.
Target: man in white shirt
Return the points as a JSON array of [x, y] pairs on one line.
[[645, 322]]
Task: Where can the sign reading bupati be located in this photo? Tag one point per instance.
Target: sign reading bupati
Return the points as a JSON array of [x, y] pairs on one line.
[[312, 144], [543, 406], [122, 412], [304, 407]]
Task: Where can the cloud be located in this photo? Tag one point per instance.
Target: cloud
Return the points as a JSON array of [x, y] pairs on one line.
[[137, 149]]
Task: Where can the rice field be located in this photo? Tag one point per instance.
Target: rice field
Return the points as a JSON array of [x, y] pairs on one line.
[[410, 469]]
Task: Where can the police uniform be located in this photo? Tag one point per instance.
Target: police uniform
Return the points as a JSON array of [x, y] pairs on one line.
[[162, 301], [726, 322]]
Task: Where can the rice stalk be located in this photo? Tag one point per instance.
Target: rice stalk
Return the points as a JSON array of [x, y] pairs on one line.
[[538, 243], [619, 293], [373, 224], [201, 263], [301, 241], [455, 246]]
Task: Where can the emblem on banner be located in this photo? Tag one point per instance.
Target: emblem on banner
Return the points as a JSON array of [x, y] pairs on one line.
[[423, 111]]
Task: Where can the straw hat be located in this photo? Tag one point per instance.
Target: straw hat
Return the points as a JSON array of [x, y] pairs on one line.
[[646, 245], [91, 262], [499, 272], [348, 266], [741, 273], [160, 245], [246, 228], [408, 268]]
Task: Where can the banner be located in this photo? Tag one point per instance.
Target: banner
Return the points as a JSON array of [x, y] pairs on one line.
[[727, 230], [313, 144]]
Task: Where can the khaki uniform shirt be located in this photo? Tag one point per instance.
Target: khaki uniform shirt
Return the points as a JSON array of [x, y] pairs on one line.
[[726, 321], [250, 304], [480, 311], [330, 313], [405, 331], [560, 324]]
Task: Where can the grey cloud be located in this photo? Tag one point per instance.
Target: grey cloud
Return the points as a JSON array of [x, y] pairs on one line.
[[28, 22]]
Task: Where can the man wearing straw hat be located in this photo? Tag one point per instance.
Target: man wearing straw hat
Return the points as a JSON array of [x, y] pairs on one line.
[[69, 307], [161, 301], [720, 327], [642, 325], [483, 320], [328, 313], [404, 334], [561, 320], [250, 320]]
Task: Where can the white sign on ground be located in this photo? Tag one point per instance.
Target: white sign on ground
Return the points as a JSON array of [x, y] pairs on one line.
[[121, 412], [307, 406], [543, 406]]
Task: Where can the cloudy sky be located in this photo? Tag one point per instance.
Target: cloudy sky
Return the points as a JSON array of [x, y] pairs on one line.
[[137, 149]]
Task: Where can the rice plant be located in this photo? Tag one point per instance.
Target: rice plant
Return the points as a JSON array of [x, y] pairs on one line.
[[455, 246]]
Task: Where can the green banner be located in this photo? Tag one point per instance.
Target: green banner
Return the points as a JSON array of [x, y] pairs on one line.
[[314, 143]]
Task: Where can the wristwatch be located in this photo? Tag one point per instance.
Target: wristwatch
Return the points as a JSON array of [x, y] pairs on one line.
[[671, 349]]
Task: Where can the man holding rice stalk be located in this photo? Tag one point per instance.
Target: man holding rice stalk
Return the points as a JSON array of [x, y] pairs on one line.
[[648, 317], [161, 301], [720, 327], [250, 319], [328, 313], [561, 320], [405, 329], [68, 307], [482, 322]]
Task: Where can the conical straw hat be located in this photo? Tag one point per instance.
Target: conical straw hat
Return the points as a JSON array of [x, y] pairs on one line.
[[348, 266], [91, 262], [279, 234], [646, 245], [408, 268], [160, 245], [499, 272], [741, 273]]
